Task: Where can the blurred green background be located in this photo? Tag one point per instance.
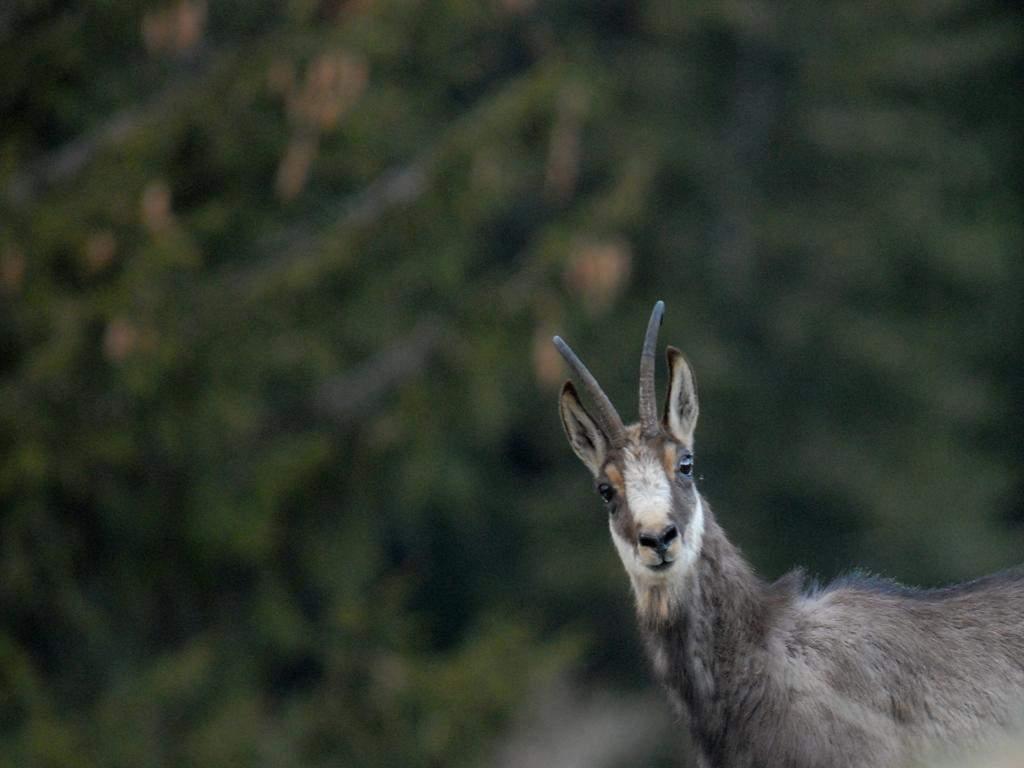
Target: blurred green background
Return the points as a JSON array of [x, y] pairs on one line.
[[282, 480]]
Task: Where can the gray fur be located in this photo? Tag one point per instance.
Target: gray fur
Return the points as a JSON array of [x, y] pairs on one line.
[[857, 675]]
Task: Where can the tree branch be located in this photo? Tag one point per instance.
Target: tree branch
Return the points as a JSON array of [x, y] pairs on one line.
[[296, 246], [65, 162], [344, 397]]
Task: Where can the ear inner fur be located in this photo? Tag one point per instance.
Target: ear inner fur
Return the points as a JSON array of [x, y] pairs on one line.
[[586, 438], [681, 406]]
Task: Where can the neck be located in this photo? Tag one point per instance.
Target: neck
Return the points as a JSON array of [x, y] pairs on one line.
[[705, 633], [715, 584]]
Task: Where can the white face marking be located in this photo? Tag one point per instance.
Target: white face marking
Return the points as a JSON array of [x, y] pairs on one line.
[[647, 492], [693, 538]]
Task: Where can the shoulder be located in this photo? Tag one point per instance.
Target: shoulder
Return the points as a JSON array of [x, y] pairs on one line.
[[861, 583]]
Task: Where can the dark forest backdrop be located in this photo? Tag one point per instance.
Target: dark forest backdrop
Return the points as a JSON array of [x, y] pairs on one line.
[[282, 480]]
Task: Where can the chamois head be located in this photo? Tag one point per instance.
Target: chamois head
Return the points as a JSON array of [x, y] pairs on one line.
[[643, 472]]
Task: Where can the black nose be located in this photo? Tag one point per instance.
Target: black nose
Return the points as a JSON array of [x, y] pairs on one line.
[[661, 541]]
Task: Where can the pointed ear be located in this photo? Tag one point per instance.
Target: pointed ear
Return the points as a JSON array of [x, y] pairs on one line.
[[587, 441], [681, 407]]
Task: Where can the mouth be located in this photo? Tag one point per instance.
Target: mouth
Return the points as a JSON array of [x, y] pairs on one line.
[[664, 565]]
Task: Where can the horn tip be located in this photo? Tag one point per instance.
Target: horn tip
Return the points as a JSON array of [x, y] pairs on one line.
[[563, 349]]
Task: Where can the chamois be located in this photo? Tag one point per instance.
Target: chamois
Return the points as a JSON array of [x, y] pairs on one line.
[[859, 674]]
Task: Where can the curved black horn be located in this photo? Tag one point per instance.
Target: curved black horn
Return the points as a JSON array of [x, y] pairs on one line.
[[607, 417], [648, 397]]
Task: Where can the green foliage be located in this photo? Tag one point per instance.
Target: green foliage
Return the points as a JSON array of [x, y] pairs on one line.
[[281, 475]]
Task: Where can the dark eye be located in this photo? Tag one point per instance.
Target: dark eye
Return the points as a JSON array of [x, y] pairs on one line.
[[606, 491], [686, 464]]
